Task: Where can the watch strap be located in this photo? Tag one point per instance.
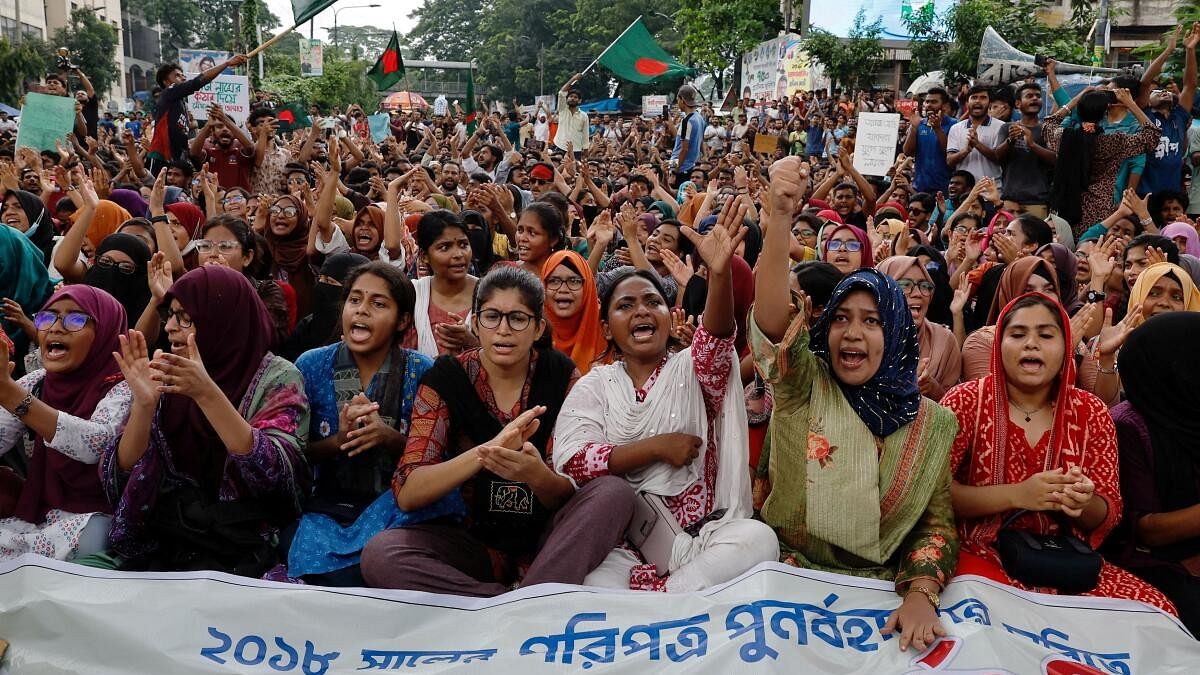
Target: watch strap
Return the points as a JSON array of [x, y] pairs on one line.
[[22, 408]]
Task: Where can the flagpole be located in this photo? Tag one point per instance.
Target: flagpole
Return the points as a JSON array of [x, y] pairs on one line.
[[593, 64], [268, 43]]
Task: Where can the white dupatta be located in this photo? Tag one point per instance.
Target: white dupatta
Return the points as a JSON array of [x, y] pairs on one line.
[[602, 408], [426, 344]]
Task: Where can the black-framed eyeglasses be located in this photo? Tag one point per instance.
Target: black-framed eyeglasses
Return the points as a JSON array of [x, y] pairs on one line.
[[225, 247], [574, 283], [921, 287], [517, 320], [181, 317], [806, 233], [848, 245], [287, 211], [917, 212], [539, 181], [106, 263], [233, 199], [72, 322]]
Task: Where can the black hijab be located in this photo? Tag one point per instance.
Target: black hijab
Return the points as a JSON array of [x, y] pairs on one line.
[[41, 229], [131, 290], [939, 308], [1158, 370]]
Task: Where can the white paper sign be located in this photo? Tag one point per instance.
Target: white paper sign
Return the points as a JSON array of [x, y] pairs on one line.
[[59, 618], [875, 143], [441, 107], [652, 106], [232, 92]]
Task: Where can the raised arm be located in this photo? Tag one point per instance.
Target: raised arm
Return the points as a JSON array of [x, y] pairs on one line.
[[789, 181], [1155, 68]]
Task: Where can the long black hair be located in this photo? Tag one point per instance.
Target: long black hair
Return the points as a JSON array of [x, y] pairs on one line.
[[1072, 172]]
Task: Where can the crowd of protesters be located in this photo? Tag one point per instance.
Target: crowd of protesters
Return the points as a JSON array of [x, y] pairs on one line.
[[485, 353]]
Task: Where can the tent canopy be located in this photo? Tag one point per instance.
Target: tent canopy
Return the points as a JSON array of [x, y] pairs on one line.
[[608, 105], [404, 100], [12, 112]]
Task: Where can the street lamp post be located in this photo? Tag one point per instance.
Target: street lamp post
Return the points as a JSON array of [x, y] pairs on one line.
[[336, 38]]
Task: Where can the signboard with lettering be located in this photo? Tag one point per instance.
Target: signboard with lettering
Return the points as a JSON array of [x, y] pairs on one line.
[[875, 143], [232, 92]]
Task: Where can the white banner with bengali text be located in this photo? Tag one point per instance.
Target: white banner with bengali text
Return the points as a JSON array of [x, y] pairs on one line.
[[62, 618], [232, 92]]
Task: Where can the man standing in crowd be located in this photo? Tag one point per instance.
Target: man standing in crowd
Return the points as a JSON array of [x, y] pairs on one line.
[[1164, 164], [690, 136], [971, 144], [226, 149], [1027, 161], [573, 125], [170, 110], [926, 142]]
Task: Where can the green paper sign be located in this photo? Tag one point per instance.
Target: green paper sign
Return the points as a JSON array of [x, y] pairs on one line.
[[44, 120]]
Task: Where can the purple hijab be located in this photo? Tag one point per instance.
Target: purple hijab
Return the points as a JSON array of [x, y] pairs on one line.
[[130, 201], [56, 481], [233, 334], [1065, 265]]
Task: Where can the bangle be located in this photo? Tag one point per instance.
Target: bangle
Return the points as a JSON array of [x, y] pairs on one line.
[[1104, 371], [22, 408], [1146, 221]]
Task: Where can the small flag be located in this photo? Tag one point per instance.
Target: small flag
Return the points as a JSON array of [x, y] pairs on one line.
[[292, 116], [388, 70], [636, 57], [471, 118], [304, 10]]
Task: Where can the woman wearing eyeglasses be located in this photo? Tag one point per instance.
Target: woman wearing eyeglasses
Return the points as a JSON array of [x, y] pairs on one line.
[[120, 269], [215, 432], [847, 248], [483, 421], [573, 308], [941, 361], [68, 412], [285, 226]]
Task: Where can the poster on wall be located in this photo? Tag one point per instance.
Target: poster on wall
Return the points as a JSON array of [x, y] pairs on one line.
[[778, 68], [837, 16]]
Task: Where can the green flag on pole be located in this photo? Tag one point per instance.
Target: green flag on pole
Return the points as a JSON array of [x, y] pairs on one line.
[[304, 10], [470, 118], [636, 57], [388, 70]]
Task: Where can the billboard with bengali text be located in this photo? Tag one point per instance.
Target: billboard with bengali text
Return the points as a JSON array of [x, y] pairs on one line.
[[837, 16], [778, 68]]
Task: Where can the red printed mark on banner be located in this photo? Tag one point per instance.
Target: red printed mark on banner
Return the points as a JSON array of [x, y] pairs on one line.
[[1059, 665], [939, 653], [649, 67]]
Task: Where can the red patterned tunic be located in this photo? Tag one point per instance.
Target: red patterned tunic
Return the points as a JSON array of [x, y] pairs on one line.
[[1089, 441]]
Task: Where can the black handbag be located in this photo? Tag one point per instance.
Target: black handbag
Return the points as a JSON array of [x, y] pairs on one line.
[[1059, 561]]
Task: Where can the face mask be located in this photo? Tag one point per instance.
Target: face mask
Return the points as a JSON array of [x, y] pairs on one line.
[[590, 211], [326, 296]]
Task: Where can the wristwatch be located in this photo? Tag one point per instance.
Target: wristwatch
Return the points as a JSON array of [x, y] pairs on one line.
[[934, 598], [1094, 296], [158, 219]]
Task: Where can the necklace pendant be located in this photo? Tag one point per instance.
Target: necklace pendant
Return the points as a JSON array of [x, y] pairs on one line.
[[1028, 418]]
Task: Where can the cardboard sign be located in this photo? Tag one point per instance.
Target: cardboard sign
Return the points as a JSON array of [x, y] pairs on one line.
[[766, 143], [231, 92], [875, 143], [380, 126], [652, 106], [312, 58]]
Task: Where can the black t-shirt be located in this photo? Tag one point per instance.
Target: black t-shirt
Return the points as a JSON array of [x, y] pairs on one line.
[[1026, 178], [91, 115], [171, 119]]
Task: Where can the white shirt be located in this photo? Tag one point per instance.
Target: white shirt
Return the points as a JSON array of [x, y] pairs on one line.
[[541, 131], [991, 134], [573, 127], [7, 125]]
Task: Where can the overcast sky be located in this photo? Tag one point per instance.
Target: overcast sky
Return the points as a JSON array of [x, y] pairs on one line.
[[390, 12]]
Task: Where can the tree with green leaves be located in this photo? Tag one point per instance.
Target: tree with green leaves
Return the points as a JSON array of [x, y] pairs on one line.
[[850, 63], [27, 60], [344, 82], [202, 24], [717, 32], [950, 41], [93, 46], [446, 30], [249, 37], [1187, 12], [361, 42]]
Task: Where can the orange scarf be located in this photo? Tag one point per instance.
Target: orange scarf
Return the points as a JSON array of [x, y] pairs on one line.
[[580, 336], [107, 218]]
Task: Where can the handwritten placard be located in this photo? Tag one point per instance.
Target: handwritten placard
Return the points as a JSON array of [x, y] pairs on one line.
[[875, 143], [766, 144], [44, 120], [652, 105], [232, 92]]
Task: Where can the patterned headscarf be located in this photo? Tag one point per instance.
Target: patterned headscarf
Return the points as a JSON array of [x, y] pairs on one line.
[[890, 399]]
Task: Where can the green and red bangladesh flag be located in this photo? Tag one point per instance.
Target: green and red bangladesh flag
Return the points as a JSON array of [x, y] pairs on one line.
[[636, 57], [304, 10], [389, 69], [292, 116]]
